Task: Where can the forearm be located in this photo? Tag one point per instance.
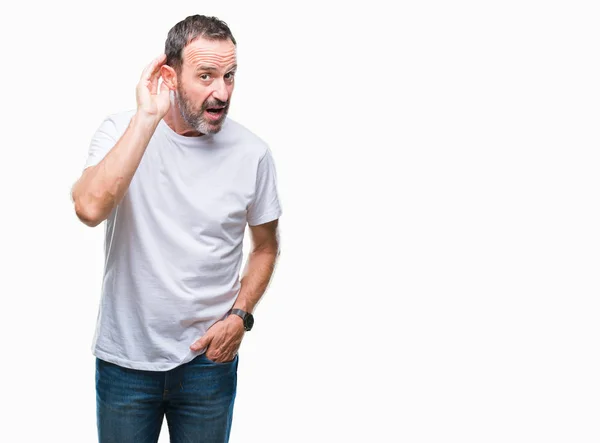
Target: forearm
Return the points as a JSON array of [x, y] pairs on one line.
[[256, 277], [102, 187]]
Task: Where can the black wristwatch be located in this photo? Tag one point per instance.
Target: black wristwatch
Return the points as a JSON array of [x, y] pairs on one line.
[[246, 316]]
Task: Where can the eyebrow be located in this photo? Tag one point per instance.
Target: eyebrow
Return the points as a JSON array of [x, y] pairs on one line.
[[212, 69]]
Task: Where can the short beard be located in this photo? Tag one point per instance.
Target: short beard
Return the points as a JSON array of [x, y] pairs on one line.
[[195, 119]]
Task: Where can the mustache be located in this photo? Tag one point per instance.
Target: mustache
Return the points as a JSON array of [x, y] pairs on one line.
[[215, 104]]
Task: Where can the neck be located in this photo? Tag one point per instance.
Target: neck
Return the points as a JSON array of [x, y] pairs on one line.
[[176, 122]]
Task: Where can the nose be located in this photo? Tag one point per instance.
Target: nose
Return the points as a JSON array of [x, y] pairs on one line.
[[220, 92]]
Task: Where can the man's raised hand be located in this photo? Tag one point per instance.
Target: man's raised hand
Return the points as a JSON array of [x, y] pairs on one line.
[[152, 99]]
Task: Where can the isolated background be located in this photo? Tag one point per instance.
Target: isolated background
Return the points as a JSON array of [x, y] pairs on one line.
[[438, 173]]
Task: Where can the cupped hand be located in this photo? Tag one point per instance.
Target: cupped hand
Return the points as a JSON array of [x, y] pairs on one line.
[[152, 99]]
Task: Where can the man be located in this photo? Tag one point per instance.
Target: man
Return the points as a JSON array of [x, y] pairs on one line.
[[177, 181]]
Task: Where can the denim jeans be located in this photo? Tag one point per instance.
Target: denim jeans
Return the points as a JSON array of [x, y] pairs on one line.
[[197, 399]]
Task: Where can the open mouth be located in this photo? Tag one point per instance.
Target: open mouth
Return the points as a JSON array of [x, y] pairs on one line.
[[215, 113]]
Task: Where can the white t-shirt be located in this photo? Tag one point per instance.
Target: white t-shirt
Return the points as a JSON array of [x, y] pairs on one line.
[[173, 246]]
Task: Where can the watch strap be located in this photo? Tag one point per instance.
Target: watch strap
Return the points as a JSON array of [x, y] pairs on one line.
[[239, 312], [247, 318]]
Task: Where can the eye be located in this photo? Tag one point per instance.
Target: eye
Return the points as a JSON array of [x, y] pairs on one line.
[[204, 76], [230, 75]]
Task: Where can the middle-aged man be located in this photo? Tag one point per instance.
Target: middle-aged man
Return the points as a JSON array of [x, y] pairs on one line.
[[177, 181]]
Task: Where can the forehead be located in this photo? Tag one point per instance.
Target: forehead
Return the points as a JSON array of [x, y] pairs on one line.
[[215, 53]]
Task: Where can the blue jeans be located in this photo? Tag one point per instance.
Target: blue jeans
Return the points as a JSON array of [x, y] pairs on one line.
[[197, 399]]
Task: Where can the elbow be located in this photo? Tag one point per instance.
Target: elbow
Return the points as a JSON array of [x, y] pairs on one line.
[[88, 217], [88, 214], [90, 206]]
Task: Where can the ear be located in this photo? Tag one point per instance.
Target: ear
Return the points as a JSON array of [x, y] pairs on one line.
[[169, 77]]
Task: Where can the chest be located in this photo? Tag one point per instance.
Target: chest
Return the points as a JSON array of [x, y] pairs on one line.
[[206, 191]]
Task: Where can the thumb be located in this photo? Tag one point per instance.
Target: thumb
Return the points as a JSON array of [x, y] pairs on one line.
[[203, 342]]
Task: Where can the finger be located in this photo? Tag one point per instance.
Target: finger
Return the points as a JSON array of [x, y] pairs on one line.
[[154, 83], [164, 92], [201, 343], [153, 67], [163, 88], [156, 75]]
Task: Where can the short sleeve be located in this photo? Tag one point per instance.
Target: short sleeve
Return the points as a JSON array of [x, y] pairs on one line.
[[102, 142], [265, 205]]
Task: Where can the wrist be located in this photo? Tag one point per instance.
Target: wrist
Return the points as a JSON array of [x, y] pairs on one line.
[[243, 304], [235, 319], [246, 317], [146, 120]]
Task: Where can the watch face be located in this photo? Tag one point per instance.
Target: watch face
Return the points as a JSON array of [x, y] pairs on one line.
[[249, 322]]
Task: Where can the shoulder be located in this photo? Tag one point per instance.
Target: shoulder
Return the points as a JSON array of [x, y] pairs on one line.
[[122, 118], [244, 137], [118, 122]]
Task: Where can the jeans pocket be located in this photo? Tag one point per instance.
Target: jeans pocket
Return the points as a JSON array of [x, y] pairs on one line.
[[220, 362]]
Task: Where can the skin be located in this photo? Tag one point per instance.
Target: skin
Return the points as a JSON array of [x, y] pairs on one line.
[[225, 336], [102, 187], [206, 79]]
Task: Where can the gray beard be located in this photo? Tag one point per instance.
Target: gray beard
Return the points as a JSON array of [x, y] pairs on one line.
[[196, 120]]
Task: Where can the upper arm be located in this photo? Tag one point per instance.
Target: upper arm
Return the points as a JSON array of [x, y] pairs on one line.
[[265, 237], [264, 206], [103, 140]]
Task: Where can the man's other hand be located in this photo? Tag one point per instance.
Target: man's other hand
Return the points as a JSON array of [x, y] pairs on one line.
[[222, 340]]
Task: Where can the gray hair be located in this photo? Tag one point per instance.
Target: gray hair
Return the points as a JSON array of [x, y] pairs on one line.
[[188, 30]]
